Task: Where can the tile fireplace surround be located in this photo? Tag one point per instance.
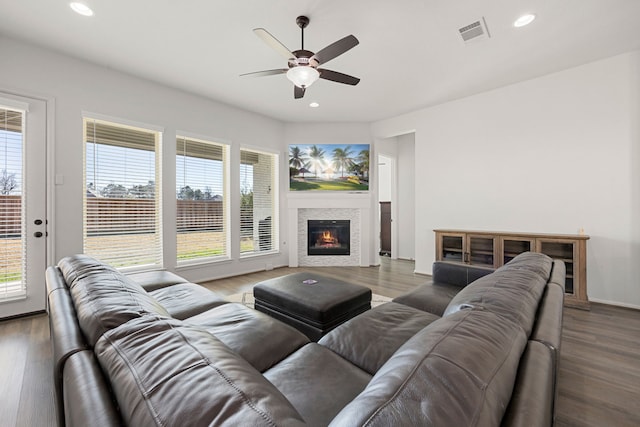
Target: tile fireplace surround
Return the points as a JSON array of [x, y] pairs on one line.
[[355, 208]]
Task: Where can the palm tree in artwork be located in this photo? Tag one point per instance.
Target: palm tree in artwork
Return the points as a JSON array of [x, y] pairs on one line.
[[317, 159], [297, 159], [342, 158], [363, 158]]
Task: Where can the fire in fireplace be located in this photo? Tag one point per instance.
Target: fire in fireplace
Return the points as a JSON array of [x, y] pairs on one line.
[[328, 237]]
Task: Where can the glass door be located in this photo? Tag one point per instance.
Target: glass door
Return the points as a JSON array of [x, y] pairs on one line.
[[564, 251], [22, 205], [512, 246], [482, 250], [452, 248]]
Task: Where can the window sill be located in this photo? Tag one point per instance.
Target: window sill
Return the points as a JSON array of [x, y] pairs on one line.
[[186, 265], [252, 255]]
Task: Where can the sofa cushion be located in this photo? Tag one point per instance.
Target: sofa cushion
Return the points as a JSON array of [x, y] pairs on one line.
[[318, 382], [513, 291], [167, 373], [103, 297], [259, 339], [458, 371], [370, 339], [156, 279], [431, 297], [186, 299]]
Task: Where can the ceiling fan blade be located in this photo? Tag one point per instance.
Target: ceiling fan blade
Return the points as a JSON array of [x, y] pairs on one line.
[[335, 76], [298, 92], [335, 49], [274, 43], [265, 73]]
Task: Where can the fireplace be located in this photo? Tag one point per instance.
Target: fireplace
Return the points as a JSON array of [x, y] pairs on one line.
[[328, 237]]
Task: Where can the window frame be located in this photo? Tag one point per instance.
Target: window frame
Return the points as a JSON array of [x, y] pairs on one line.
[[275, 203], [226, 207], [158, 131]]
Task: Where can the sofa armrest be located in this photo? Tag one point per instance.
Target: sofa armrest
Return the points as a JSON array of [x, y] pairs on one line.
[[87, 401], [532, 400]]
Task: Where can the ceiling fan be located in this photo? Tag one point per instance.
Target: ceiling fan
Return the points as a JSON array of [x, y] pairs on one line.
[[303, 64]]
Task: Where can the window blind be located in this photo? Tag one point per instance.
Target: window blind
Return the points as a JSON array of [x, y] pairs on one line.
[[258, 202], [12, 245], [202, 209], [122, 206]]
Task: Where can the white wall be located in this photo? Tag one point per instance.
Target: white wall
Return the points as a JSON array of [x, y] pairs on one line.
[[406, 213], [553, 154], [78, 86], [401, 149], [384, 178]]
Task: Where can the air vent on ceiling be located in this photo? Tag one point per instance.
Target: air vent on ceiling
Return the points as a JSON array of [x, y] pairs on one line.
[[475, 31]]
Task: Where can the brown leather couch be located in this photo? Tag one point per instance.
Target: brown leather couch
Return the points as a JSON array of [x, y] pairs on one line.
[[153, 350]]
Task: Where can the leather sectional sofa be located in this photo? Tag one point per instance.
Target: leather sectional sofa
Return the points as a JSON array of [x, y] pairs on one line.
[[151, 349]]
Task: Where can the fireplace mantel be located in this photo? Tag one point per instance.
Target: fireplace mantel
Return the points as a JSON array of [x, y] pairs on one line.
[[354, 207]]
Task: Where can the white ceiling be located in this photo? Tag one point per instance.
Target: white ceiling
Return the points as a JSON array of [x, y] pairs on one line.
[[410, 54]]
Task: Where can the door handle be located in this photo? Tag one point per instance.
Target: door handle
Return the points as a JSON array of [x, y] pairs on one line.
[[37, 234]]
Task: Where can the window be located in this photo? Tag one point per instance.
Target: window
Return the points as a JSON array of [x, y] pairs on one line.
[[202, 218], [122, 214], [258, 202], [11, 213]]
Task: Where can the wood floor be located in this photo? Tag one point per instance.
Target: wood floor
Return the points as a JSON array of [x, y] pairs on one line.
[[599, 382]]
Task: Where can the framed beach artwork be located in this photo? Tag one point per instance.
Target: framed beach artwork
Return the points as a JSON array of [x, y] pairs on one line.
[[329, 167]]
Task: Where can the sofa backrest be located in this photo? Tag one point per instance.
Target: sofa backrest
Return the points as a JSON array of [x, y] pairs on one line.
[[461, 369], [103, 297], [513, 291], [168, 373], [458, 371]]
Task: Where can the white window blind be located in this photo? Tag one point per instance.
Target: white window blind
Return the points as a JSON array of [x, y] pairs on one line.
[[122, 209], [12, 245], [258, 202], [202, 209]]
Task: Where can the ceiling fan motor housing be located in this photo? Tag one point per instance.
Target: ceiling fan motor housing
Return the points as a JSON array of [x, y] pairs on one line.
[[303, 58]]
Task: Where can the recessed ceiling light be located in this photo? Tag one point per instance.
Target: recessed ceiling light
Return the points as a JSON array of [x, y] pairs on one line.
[[314, 105], [81, 8], [524, 20]]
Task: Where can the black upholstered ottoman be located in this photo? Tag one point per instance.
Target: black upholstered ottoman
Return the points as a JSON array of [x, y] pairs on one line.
[[312, 303]]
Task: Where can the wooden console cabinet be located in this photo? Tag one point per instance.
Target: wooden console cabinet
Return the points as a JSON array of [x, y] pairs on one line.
[[494, 249]]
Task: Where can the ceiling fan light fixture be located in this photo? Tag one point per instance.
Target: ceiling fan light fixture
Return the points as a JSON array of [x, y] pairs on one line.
[[524, 20], [81, 8], [303, 76]]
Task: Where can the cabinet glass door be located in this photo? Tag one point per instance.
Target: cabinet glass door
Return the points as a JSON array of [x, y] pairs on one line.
[[452, 248], [482, 251], [563, 251], [513, 246]]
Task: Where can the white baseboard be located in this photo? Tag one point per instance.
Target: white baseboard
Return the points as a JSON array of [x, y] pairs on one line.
[[619, 304]]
